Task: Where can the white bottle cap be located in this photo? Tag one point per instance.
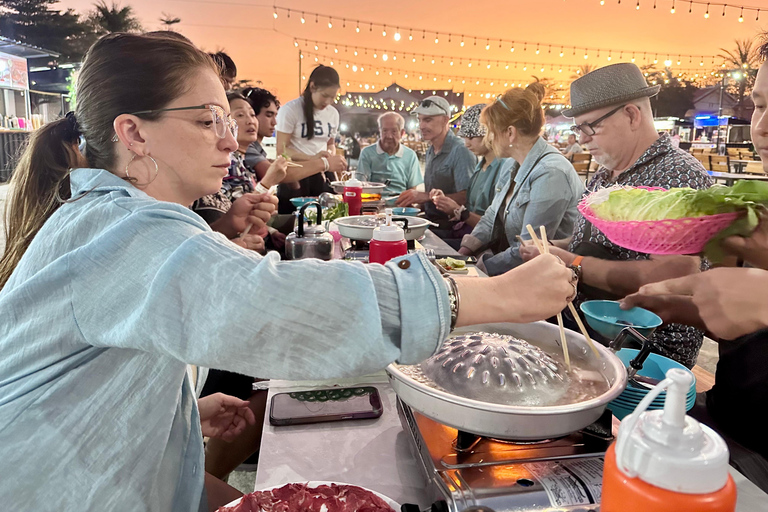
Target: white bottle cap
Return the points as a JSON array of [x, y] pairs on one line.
[[353, 181], [389, 232], [668, 449]]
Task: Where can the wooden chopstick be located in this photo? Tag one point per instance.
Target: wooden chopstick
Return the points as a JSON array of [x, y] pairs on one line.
[[291, 164], [543, 247]]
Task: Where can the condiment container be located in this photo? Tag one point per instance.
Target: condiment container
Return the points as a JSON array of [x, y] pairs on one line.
[[353, 194], [666, 461], [388, 241]]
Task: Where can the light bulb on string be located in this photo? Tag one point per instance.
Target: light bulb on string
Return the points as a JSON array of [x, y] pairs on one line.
[[437, 40], [303, 20], [330, 25], [706, 14], [274, 12], [741, 16], [672, 10], [488, 45], [410, 36], [357, 29], [637, 7], [385, 57], [384, 32], [397, 34]]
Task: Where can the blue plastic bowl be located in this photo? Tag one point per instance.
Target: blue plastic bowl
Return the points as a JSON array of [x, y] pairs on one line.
[[607, 318], [406, 211], [298, 202]]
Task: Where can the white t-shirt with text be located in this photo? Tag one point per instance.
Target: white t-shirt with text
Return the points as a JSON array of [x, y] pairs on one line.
[[290, 119]]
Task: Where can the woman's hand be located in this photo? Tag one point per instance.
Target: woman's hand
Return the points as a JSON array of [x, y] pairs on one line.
[[254, 209], [537, 290], [224, 416], [752, 249], [442, 202], [731, 302], [533, 291], [250, 242], [276, 172], [528, 251]]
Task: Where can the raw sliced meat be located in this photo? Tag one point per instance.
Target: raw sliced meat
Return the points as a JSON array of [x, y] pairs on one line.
[[302, 498]]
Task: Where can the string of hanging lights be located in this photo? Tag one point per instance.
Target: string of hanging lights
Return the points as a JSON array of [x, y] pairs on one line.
[[403, 33], [396, 73], [716, 6], [387, 55]]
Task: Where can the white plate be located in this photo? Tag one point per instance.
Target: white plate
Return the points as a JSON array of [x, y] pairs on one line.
[[392, 503]]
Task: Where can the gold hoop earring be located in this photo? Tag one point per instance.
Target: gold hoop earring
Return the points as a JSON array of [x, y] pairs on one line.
[[133, 180]]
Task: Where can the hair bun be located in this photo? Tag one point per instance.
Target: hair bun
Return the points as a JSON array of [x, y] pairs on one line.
[[538, 90]]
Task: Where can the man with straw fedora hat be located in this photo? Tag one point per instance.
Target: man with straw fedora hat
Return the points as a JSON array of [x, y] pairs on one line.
[[613, 119]]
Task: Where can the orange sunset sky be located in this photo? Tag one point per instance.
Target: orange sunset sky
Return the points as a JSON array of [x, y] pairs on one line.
[[263, 47]]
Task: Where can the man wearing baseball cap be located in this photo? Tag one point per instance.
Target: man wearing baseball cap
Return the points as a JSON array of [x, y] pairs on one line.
[[613, 118], [449, 163]]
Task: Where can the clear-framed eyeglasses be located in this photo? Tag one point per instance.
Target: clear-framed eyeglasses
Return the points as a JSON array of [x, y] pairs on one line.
[[220, 120]]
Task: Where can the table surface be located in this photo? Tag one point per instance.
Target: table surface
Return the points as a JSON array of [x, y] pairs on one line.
[[375, 454], [738, 176]]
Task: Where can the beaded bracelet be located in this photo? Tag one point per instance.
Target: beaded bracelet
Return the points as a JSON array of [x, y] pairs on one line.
[[453, 298]]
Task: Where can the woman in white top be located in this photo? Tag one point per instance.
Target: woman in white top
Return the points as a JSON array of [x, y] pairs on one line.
[[306, 131]]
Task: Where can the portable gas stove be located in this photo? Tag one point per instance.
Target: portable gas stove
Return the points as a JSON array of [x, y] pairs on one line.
[[466, 470]]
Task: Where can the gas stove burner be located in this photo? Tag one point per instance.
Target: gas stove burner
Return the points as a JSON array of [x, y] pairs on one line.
[[528, 442], [467, 470], [466, 441]]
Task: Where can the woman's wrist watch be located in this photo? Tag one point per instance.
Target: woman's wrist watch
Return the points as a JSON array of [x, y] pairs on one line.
[[458, 214]]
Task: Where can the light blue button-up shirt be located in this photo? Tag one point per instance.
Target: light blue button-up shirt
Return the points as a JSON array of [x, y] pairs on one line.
[[545, 194], [401, 169], [118, 291]]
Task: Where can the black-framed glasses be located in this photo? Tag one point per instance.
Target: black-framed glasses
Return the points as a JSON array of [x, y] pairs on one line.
[[589, 128], [220, 120], [429, 103]]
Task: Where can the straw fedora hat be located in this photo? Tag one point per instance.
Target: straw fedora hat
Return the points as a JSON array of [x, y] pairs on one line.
[[608, 86]]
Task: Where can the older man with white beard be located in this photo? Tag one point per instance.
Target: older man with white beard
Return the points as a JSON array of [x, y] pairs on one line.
[[388, 160]]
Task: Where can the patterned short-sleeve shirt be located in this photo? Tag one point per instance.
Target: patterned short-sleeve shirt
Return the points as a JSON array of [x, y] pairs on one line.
[[662, 165]]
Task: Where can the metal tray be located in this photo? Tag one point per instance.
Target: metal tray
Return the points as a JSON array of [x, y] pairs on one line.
[[509, 421]]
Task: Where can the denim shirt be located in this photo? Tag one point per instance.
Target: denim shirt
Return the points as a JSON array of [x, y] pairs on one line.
[[544, 195], [115, 295]]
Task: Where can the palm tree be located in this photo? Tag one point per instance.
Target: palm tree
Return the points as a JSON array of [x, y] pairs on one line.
[[746, 58], [583, 69], [107, 19]]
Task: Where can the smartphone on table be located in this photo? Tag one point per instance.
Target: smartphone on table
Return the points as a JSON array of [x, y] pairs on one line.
[[320, 405]]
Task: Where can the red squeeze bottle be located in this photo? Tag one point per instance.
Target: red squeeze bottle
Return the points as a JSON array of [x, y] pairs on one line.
[[353, 194], [388, 242], [665, 461]]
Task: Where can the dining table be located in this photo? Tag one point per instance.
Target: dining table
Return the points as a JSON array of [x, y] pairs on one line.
[[730, 177], [374, 453], [377, 453]]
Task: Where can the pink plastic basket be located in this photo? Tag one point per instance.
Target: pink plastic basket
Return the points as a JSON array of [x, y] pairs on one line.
[[678, 236]]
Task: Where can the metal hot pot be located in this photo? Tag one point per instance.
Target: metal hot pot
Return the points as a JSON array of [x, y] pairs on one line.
[[518, 422]]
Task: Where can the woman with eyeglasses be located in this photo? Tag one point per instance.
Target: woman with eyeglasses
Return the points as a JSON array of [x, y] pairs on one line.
[[111, 285], [306, 132], [241, 180], [543, 188]]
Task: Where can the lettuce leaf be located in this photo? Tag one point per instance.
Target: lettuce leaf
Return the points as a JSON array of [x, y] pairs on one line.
[[637, 204]]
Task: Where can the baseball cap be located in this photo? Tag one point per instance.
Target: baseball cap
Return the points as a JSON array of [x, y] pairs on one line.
[[433, 106]]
